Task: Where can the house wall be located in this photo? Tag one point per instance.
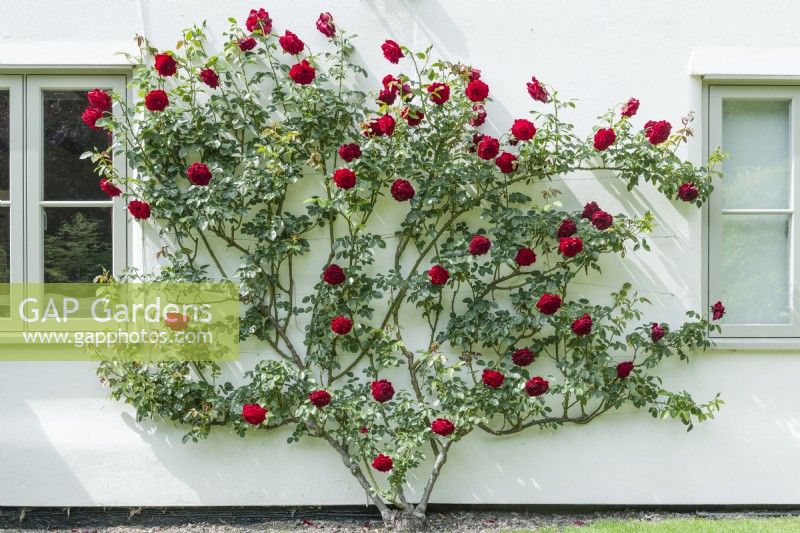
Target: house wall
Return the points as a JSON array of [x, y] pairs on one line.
[[64, 443]]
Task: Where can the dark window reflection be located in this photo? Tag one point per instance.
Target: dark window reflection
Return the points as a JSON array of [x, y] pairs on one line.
[[4, 142], [5, 264], [66, 137], [77, 243]]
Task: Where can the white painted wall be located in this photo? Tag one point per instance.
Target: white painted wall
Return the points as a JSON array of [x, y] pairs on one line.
[[63, 443]]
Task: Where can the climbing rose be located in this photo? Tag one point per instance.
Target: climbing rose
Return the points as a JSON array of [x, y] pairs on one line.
[[109, 188], [325, 25], [525, 257], [384, 125], [480, 116], [604, 138], [391, 51], [402, 190], [582, 326], [567, 228], [199, 174], [209, 77], [570, 246], [341, 325], [590, 209], [602, 220], [537, 91], [253, 413], [156, 100], [165, 65], [522, 357], [247, 43], [259, 20], [688, 192], [523, 130], [536, 386], [90, 117], [333, 274], [477, 91], [382, 390], [717, 310], [630, 108], [656, 332], [492, 378], [291, 43], [99, 99], [442, 426], [548, 303], [319, 398], [412, 116], [440, 92], [302, 73], [344, 178], [624, 369], [438, 274], [488, 147], [382, 463], [140, 210], [348, 152], [657, 131], [479, 245], [506, 162]]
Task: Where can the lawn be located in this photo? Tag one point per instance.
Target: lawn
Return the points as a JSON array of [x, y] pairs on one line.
[[685, 525]]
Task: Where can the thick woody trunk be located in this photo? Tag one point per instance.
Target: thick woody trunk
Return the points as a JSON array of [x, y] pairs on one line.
[[410, 519]]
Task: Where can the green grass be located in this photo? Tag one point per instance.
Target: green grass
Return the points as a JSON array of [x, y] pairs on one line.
[[687, 525]]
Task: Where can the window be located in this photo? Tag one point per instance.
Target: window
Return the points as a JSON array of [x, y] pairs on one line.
[[752, 252]]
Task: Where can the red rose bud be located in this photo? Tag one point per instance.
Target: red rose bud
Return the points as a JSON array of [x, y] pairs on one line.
[[156, 100], [165, 65], [522, 357], [492, 378], [209, 77], [344, 178], [656, 332], [440, 92], [253, 413], [507, 162], [657, 131], [488, 147], [382, 390], [480, 116], [325, 25], [176, 321], [604, 138], [536, 386], [582, 326], [291, 43], [567, 228], [602, 220], [442, 426], [140, 210], [402, 190], [382, 463], [333, 274], [246, 44], [438, 274], [624, 369], [523, 130], [341, 325], [391, 51], [570, 246], [479, 245], [302, 73], [717, 311], [548, 304], [99, 99], [319, 398], [477, 91], [109, 188], [537, 91], [590, 209], [363, 429], [199, 174], [688, 192], [90, 117], [412, 116], [474, 74], [348, 152], [525, 257], [630, 108], [259, 20]]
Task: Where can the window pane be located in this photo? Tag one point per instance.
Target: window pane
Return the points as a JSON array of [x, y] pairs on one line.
[[4, 145], [66, 137], [5, 264], [756, 137], [77, 243], [755, 268]]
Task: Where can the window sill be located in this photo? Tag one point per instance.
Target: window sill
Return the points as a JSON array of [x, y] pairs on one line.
[[755, 344]]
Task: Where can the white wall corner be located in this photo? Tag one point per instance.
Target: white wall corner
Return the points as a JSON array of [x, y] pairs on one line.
[[745, 62], [56, 54]]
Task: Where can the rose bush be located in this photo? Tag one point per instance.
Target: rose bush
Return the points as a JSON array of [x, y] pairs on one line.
[[253, 161]]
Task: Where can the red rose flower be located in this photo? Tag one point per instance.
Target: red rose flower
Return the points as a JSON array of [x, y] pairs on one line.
[[402, 190], [382, 463], [525, 257], [259, 20], [109, 188], [90, 116], [165, 65], [536, 386], [630, 108], [140, 210], [624, 369], [199, 174], [156, 100], [590, 209], [657, 131], [319, 398], [477, 91], [656, 332], [253, 413], [387, 96], [344, 178], [302, 73], [383, 125], [99, 99], [348, 152], [537, 91], [442, 426], [291, 43], [440, 92], [717, 310], [688, 192], [523, 130], [363, 429], [176, 321], [604, 138], [412, 116], [492, 378], [333, 274], [325, 25], [507, 162], [382, 390], [567, 228], [602, 220], [480, 116], [549, 303], [522, 357], [488, 147], [209, 77], [582, 326], [474, 74], [570, 246], [247, 43], [438, 274], [391, 51], [479, 245], [341, 325]]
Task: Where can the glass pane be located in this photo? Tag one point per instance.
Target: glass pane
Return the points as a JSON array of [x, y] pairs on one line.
[[756, 136], [77, 243], [66, 137], [5, 264], [755, 268], [4, 145]]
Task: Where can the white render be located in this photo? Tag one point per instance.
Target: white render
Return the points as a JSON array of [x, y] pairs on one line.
[[63, 442]]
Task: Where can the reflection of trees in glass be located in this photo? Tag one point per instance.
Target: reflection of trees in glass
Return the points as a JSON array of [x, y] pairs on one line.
[[4, 145], [77, 251]]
